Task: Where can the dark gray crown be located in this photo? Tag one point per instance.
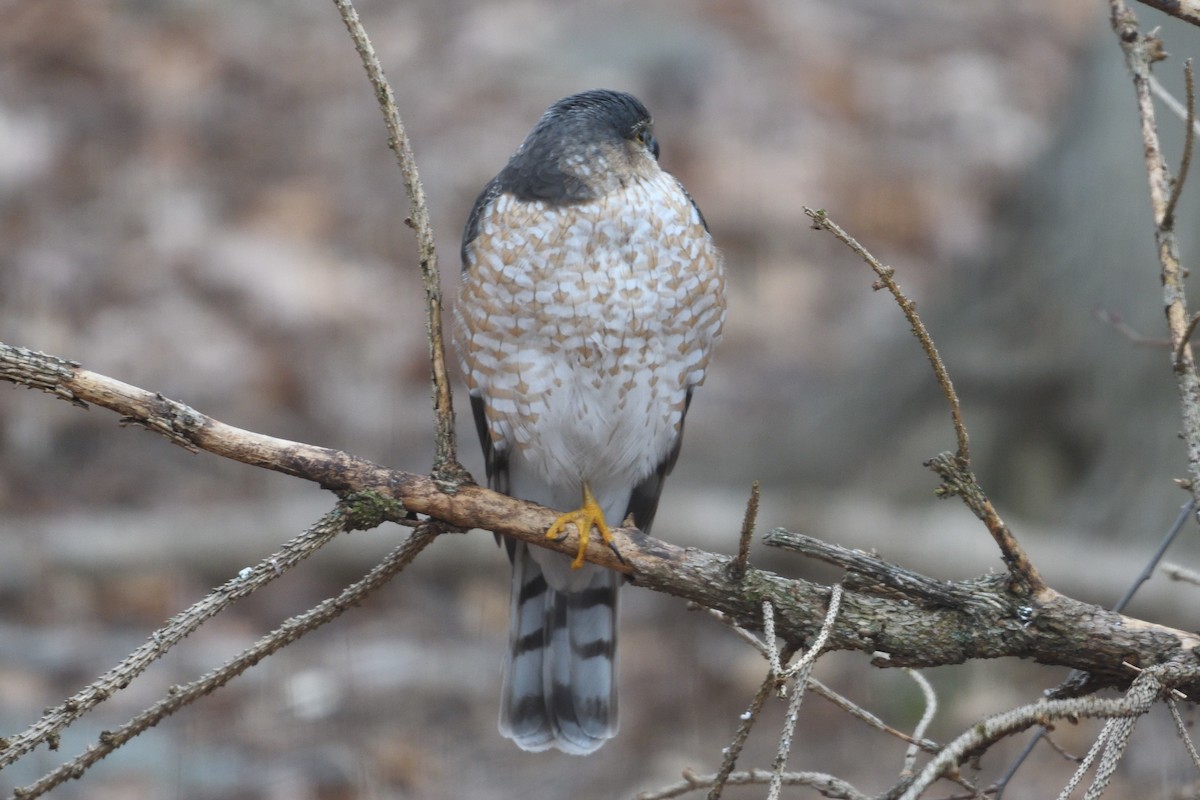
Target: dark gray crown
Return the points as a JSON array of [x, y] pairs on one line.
[[583, 125], [577, 125]]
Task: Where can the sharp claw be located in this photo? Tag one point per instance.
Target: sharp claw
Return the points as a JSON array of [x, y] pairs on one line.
[[613, 546], [584, 519], [558, 531]]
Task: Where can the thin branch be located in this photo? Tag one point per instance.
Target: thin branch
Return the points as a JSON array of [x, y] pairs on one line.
[[291, 630], [730, 754], [1115, 744], [1002, 782], [738, 569], [823, 784], [1186, 338], [1085, 763], [1184, 736], [858, 712], [1178, 573], [1172, 692], [821, 221], [1186, 10], [446, 468], [1141, 51], [821, 690], [869, 572], [814, 651], [799, 673], [1136, 337], [955, 471], [931, 704], [1189, 139], [177, 628], [1062, 751], [1173, 105], [742, 633], [956, 481], [1136, 702], [1185, 512]]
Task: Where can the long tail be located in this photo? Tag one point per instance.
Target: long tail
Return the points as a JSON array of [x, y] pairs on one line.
[[560, 682]]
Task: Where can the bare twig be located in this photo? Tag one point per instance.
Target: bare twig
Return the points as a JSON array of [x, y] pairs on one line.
[[777, 677], [857, 711], [821, 221], [962, 483], [1186, 338], [1115, 743], [821, 690], [1178, 573], [291, 630], [1169, 100], [742, 633], [1184, 736], [955, 470], [1189, 139], [1173, 692], [910, 755], [823, 784], [1122, 327], [176, 629], [1186, 10], [1136, 702], [731, 753], [1185, 512], [1062, 751], [1141, 51], [1085, 763], [799, 674], [446, 468], [738, 568], [869, 572]]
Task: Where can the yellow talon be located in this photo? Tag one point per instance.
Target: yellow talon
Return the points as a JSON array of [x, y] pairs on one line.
[[584, 518]]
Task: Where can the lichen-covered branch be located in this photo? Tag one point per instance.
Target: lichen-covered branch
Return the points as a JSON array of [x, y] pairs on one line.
[[174, 631], [291, 630], [1142, 694]]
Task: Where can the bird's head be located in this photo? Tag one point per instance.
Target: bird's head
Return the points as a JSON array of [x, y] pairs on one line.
[[584, 146]]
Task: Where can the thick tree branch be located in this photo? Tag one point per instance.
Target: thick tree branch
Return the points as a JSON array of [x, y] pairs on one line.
[[984, 621]]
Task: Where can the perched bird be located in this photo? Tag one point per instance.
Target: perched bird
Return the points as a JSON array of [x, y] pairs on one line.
[[592, 298]]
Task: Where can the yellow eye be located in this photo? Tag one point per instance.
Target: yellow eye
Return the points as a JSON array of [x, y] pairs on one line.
[[646, 137]]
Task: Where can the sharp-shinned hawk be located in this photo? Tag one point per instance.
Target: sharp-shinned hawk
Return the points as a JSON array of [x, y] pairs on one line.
[[592, 298]]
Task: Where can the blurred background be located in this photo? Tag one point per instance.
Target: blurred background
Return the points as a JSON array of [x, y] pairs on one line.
[[198, 199]]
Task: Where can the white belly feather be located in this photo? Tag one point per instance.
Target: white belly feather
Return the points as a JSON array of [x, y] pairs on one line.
[[587, 331]]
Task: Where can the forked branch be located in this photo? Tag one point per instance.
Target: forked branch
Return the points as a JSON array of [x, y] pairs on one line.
[[954, 470]]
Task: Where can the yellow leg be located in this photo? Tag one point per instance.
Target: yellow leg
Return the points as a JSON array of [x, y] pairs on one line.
[[584, 518]]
